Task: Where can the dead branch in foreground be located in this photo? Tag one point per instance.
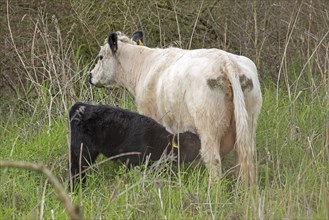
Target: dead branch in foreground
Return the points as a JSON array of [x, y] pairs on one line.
[[73, 212]]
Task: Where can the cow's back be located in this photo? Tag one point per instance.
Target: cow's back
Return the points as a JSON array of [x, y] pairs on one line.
[[180, 91]]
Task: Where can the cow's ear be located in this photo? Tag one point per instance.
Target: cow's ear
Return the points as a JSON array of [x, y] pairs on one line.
[[138, 37], [113, 42]]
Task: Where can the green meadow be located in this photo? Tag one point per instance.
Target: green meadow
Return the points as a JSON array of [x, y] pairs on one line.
[[50, 48]]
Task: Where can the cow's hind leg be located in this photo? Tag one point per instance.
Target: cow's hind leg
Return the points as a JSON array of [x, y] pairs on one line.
[[210, 153]]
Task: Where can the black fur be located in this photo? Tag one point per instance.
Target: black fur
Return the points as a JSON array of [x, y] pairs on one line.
[[102, 129]]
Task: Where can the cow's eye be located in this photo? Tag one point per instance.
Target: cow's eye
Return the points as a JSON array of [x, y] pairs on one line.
[[100, 57]]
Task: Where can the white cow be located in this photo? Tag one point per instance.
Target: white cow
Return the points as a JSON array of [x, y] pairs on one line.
[[210, 92]]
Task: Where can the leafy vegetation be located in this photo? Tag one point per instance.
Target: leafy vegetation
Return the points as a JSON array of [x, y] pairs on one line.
[[50, 47]]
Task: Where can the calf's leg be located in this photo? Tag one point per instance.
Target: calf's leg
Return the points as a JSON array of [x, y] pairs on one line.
[[80, 161]]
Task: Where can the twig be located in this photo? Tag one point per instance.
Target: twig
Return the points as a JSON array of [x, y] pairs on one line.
[[42, 205], [101, 162], [63, 197], [283, 59], [177, 23], [195, 23]]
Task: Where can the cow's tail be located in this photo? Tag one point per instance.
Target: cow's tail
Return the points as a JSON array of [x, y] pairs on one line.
[[243, 144]]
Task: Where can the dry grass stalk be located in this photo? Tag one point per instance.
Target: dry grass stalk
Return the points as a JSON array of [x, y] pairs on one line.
[[72, 211]]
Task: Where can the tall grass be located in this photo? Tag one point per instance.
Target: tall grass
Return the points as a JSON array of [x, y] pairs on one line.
[[292, 160], [292, 135]]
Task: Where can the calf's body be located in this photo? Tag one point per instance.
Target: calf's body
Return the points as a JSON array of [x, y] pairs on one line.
[[111, 131]]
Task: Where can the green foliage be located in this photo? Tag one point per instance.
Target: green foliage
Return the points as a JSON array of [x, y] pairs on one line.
[[292, 172], [50, 50]]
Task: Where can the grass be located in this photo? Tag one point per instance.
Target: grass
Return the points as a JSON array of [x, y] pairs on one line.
[[49, 71], [293, 176]]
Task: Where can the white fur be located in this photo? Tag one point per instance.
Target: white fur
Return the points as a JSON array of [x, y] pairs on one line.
[[170, 85]]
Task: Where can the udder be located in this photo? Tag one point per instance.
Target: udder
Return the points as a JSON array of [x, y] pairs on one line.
[[228, 139]]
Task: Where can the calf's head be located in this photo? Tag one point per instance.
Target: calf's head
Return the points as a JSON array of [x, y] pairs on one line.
[[106, 68]]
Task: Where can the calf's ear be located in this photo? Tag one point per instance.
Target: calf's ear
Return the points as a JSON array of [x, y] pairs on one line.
[[113, 42], [138, 37]]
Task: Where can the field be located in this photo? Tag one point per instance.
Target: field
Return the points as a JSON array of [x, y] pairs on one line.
[[51, 46]]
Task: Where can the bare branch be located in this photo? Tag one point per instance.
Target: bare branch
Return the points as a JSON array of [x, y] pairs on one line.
[[73, 212]]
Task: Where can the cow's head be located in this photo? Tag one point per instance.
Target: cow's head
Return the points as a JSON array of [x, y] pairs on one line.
[[106, 68]]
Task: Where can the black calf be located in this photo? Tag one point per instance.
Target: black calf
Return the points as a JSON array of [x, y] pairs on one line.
[[112, 131]]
